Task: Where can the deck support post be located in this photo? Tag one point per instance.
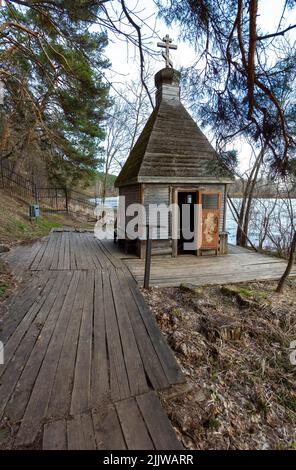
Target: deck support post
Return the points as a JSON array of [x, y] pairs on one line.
[[148, 257]]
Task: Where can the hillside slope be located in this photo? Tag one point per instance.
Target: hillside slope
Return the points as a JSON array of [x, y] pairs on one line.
[[16, 227], [15, 224]]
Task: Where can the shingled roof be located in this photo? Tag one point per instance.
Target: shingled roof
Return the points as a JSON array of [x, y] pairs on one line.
[[171, 147]]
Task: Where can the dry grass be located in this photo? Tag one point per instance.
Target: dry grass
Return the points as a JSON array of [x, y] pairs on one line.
[[233, 345], [15, 225]]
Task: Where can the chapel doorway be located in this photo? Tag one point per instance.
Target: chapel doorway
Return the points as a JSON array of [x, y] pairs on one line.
[[187, 201]]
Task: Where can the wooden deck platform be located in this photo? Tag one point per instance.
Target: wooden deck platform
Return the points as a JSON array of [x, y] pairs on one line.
[[240, 265], [83, 354], [137, 423]]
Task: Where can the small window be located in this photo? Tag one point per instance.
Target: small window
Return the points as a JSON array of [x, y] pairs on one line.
[[210, 201]]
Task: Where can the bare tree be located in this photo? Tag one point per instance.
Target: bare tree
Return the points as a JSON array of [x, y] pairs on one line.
[[124, 123], [245, 209], [281, 284]]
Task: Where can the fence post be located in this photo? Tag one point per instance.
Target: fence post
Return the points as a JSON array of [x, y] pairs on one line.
[[36, 193]]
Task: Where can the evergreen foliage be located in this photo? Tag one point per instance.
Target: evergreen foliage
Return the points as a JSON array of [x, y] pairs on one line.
[[52, 67]]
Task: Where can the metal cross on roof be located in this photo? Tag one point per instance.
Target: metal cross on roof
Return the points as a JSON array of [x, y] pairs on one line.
[[167, 44]]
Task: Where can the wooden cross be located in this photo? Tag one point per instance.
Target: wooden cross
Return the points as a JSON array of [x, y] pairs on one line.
[[167, 44]]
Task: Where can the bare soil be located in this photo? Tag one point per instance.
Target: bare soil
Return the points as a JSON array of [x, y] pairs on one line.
[[232, 343]]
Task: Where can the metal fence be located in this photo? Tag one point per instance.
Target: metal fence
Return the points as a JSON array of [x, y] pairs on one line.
[[56, 199]]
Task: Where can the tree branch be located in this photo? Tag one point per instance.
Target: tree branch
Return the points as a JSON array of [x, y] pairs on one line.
[[138, 29], [251, 54], [273, 35]]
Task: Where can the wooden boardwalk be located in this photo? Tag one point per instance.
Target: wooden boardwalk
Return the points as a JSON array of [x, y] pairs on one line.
[[83, 354], [240, 265], [137, 423]]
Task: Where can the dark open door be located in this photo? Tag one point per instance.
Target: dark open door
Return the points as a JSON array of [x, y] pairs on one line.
[[211, 203]]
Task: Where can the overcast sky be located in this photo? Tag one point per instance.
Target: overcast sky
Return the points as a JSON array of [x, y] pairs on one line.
[[124, 57]]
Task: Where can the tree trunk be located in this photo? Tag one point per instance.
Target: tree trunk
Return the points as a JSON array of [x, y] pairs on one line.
[[244, 216], [249, 203], [235, 215], [287, 272], [104, 189]]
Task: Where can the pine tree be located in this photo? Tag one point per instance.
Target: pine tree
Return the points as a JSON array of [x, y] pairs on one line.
[[52, 67]]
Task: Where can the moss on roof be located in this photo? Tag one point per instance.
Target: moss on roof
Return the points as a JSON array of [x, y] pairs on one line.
[[171, 145]]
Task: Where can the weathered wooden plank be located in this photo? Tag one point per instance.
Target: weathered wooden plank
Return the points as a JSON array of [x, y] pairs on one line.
[[75, 240], [165, 355], [134, 366], [20, 320], [35, 264], [88, 431], [16, 407], [157, 422], [55, 259], [151, 362], [63, 383], [80, 433], [19, 347], [205, 278], [80, 252], [100, 260], [62, 251], [30, 332], [116, 262], [183, 271], [34, 249], [67, 251], [88, 255], [72, 250], [108, 432], [94, 261], [75, 436], [133, 426], [31, 294], [81, 387], [118, 376], [92, 345], [48, 253], [38, 403], [99, 374], [116, 252], [240, 264], [55, 435]]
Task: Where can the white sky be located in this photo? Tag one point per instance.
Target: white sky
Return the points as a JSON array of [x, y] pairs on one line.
[[124, 58]]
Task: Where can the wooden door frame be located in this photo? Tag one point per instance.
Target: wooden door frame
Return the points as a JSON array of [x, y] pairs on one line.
[[219, 208], [174, 197], [175, 191]]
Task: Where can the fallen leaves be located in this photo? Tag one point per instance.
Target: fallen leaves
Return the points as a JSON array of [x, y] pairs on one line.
[[234, 350]]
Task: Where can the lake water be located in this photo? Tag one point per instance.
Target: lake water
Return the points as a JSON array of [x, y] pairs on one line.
[[278, 214]]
